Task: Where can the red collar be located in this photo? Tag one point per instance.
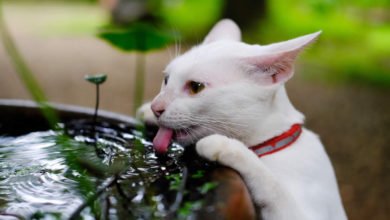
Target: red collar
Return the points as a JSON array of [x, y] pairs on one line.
[[279, 142]]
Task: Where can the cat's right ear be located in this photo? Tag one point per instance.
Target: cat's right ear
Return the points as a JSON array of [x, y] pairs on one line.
[[225, 29], [275, 64]]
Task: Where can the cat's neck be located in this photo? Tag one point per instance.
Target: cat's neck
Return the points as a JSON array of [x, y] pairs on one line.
[[282, 116]]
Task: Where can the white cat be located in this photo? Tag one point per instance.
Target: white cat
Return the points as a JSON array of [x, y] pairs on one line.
[[228, 97]]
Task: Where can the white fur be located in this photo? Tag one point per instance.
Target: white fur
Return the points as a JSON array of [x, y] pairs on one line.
[[244, 104], [145, 114]]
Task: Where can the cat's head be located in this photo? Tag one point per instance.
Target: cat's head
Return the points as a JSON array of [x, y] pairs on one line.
[[225, 86]]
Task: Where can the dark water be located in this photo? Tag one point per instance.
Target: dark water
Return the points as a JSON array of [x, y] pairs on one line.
[[48, 175]]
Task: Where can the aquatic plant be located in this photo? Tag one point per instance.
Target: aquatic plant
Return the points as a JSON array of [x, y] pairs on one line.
[[138, 34], [97, 80]]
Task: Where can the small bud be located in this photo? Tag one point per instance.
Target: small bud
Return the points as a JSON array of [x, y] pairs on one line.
[[96, 79]]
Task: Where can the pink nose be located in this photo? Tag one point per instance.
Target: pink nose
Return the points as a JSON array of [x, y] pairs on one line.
[[158, 109]]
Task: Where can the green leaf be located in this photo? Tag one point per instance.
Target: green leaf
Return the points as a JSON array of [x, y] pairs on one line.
[[137, 37], [188, 207], [175, 180], [205, 188], [96, 79], [46, 215], [199, 174]]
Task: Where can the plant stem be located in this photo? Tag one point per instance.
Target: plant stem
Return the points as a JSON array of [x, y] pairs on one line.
[[110, 182], [139, 81], [25, 74], [94, 121], [179, 195], [95, 115]]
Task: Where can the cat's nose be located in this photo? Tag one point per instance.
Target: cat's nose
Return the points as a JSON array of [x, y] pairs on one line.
[[158, 110], [158, 113]]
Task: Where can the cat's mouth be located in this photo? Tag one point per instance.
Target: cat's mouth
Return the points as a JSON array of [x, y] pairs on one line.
[[165, 136], [181, 135]]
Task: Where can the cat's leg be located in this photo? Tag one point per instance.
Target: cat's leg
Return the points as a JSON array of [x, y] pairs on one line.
[[275, 201], [145, 114]]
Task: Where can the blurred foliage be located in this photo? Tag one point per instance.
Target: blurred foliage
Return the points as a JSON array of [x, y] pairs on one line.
[[354, 46], [135, 28], [25, 73], [137, 37], [45, 1], [191, 18]]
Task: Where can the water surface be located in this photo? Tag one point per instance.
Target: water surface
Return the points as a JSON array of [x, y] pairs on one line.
[[46, 172]]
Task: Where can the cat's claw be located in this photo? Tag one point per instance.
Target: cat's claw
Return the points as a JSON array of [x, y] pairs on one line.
[[145, 114], [220, 148]]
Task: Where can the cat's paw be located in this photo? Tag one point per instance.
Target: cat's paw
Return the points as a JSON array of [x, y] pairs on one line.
[[145, 114], [220, 148]]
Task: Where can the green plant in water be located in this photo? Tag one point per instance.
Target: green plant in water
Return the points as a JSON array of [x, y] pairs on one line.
[[187, 208], [199, 174], [177, 182], [84, 183], [97, 80], [207, 187], [41, 216]]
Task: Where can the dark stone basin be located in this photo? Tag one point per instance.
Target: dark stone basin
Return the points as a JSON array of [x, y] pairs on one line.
[[228, 200]]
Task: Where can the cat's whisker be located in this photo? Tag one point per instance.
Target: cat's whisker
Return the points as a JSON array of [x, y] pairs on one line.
[[169, 49], [219, 122], [190, 134], [233, 127], [214, 125], [175, 48], [179, 47]]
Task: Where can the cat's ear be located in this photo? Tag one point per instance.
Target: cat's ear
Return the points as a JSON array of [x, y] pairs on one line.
[[275, 65], [225, 29]]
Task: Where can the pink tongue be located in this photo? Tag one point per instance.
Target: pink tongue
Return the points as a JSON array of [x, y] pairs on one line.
[[162, 140]]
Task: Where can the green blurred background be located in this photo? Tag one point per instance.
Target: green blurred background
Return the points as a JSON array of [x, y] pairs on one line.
[[342, 82]]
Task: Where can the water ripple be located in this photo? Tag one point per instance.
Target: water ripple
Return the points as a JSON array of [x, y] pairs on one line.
[[32, 176], [35, 176]]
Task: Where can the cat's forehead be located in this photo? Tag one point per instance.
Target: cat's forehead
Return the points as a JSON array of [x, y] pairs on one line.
[[210, 52], [208, 60]]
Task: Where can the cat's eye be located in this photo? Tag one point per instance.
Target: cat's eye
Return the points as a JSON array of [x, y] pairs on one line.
[[166, 79], [195, 87]]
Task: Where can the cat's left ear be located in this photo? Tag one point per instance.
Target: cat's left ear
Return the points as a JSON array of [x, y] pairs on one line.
[[275, 64], [225, 29]]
